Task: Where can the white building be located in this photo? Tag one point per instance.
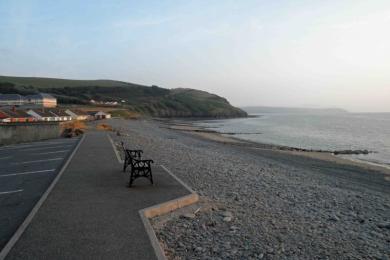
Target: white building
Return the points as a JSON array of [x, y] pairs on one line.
[[101, 115], [60, 114], [42, 100], [42, 115], [77, 114]]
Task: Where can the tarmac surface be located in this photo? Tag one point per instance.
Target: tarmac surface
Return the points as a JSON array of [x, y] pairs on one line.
[[91, 213], [26, 171]]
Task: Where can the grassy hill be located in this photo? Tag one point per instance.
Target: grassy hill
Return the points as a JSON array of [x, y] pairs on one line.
[[153, 100], [60, 83]]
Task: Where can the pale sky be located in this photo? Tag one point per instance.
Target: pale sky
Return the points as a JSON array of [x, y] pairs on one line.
[[304, 53]]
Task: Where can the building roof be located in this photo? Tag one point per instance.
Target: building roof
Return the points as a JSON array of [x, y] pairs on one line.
[[58, 112], [15, 113], [79, 112], [3, 114], [43, 113], [21, 113]]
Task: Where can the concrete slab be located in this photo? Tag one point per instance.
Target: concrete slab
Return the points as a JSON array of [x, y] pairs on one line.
[[91, 213]]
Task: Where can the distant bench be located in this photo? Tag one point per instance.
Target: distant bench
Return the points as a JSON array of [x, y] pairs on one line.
[[138, 167]]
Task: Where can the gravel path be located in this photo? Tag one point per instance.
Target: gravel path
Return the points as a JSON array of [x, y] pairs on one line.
[[265, 208]]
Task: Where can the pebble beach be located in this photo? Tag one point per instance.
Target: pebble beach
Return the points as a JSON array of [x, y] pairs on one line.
[[262, 204]]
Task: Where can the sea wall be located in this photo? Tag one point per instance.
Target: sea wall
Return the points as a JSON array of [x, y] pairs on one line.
[[28, 132]]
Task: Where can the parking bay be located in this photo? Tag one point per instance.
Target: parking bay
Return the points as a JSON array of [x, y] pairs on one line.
[[26, 171]]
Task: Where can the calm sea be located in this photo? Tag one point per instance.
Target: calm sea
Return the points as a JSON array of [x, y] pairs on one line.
[[315, 131]]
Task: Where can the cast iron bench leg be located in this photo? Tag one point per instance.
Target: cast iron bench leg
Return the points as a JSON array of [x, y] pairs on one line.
[[140, 168]]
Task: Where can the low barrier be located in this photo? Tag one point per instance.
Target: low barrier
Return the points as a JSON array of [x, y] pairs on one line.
[[13, 133]]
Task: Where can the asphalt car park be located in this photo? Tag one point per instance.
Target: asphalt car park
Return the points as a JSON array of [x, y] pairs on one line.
[[26, 171]]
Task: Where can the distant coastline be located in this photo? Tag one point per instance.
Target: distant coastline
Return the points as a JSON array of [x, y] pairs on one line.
[[270, 109]]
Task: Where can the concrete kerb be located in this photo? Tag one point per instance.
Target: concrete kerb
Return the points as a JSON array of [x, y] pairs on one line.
[[19, 232], [115, 150], [161, 208]]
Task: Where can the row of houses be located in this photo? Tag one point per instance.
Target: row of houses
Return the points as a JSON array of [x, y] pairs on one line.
[[48, 115], [36, 100]]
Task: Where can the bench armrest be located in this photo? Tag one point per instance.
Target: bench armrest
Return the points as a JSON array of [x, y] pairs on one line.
[[142, 163]]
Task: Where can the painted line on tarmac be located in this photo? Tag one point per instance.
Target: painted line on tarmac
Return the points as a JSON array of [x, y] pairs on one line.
[[44, 148], [4, 252], [38, 161], [63, 151], [10, 192], [16, 147], [2, 158], [65, 140], [25, 173], [26, 145], [7, 148], [58, 143]]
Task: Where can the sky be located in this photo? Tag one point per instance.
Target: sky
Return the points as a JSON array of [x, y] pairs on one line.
[[299, 53]]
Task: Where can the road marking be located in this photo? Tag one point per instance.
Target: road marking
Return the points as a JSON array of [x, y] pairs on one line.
[[2, 158], [24, 173], [22, 147], [36, 145], [15, 147], [63, 151], [25, 145], [55, 143], [37, 161], [43, 148], [9, 192], [66, 141]]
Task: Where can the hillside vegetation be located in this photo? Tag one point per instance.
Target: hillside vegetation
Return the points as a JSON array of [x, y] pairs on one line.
[[153, 101]]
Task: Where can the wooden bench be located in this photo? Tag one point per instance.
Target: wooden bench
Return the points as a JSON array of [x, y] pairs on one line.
[[138, 167]]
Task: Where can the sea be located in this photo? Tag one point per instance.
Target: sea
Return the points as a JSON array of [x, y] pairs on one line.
[[338, 131]]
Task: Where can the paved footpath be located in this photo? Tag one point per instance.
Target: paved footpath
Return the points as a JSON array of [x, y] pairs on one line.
[[91, 214]]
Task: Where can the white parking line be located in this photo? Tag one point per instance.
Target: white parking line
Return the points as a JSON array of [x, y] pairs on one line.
[[24, 173], [37, 161], [9, 192], [15, 147], [65, 141], [43, 148], [55, 143], [41, 144], [63, 151], [6, 148]]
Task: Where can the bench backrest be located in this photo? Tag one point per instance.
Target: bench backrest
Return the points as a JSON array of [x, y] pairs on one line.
[[133, 154]]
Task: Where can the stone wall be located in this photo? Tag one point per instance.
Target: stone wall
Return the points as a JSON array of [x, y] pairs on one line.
[[28, 132]]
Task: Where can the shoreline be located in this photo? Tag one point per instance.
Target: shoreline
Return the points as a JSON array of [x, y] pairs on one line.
[[329, 156]]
